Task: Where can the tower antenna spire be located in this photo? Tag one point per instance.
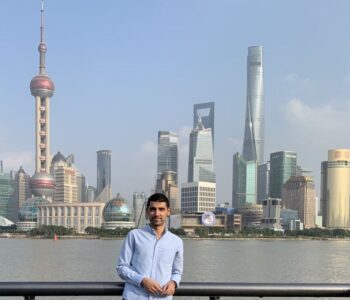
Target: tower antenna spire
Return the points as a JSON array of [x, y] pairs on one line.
[[42, 46], [42, 22]]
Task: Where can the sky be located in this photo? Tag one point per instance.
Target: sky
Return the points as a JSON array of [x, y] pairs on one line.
[[123, 70]]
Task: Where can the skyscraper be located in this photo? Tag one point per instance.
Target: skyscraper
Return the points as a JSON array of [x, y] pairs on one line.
[[253, 145], [201, 157], [168, 144], [323, 198], [299, 194], [167, 185], [338, 189], [65, 176], [263, 182], [139, 205], [6, 193], [21, 191], [283, 165], [204, 111], [42, 88], [104, 171], [244, 181]]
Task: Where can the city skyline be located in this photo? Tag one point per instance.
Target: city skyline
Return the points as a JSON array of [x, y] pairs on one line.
[[122, 74]]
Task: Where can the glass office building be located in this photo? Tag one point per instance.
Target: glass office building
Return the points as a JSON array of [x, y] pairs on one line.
[[103, 169], [6, 192], [244, 181], [206, 113], [283, 165], [168, 144], [201, 157]]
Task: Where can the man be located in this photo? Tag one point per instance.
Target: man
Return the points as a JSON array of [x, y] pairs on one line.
[[151, 258]]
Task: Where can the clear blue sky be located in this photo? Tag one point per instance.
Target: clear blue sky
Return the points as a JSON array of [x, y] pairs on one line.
[[125, 69]]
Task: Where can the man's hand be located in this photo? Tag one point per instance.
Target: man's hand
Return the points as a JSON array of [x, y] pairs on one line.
[[169, 288], [151, 286]]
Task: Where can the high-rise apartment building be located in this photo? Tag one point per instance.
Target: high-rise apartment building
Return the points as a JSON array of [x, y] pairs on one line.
[[253, 145], [42, 88], [65, 176], [204, 111], [244, 181], [338, 189], [201, 157], [168, 144], [21, 191], [139, 205], [104, 171], [283, 165], [299, 194]]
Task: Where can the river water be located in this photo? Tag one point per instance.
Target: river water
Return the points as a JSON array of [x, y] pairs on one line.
[[205, 260]]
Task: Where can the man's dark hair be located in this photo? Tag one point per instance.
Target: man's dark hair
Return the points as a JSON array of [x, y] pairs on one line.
[[158, 197]]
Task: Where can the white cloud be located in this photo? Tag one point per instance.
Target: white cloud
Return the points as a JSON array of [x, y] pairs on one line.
[[13, 160], [317, 119], [147, 148]]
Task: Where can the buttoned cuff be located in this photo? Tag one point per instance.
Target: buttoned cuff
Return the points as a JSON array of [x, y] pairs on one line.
[[138, 279], [177, 279]]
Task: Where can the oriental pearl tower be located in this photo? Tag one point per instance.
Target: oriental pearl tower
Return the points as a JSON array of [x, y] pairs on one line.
[[42, 88]]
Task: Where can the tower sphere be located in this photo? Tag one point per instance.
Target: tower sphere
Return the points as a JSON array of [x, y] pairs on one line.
[[42, 86], [42, 184]]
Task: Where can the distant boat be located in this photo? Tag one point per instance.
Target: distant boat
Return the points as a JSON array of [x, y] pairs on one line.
[[55, 237]]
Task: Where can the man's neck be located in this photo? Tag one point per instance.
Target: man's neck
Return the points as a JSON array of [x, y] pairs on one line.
[[159, 230]]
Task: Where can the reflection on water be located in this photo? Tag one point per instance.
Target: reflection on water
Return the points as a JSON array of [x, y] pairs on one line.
[[205, 260]]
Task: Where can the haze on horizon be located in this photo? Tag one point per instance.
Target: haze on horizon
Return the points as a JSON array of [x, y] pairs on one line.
[[125, 69]]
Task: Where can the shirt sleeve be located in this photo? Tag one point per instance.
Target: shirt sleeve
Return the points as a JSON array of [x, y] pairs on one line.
[[177, 269], [124, 267]]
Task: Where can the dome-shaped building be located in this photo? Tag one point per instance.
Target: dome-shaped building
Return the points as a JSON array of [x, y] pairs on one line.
[[42, 185], [116, 213], [28, 213]]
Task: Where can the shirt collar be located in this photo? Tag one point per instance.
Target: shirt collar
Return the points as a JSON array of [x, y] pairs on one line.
[[151, 230]]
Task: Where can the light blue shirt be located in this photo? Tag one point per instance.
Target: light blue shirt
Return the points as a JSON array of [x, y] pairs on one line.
[[142, 255]]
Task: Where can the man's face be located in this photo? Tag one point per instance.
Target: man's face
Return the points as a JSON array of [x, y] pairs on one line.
[[158, 213]]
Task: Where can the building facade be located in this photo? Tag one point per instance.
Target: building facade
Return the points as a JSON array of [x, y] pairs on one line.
[[299, 194], [201, 156], [139, 206], [271, 214], [253, 145], [6, 194], [338, 189], [263, 182], [283, 165], [65, 176], [198, 197], [206, 112], [104, 167], [251, 215], [244, 181], [168, 144], [21, 191], [71, 215], [167, 185]]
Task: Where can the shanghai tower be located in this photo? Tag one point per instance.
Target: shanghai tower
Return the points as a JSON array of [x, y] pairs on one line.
[[253, 145]]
